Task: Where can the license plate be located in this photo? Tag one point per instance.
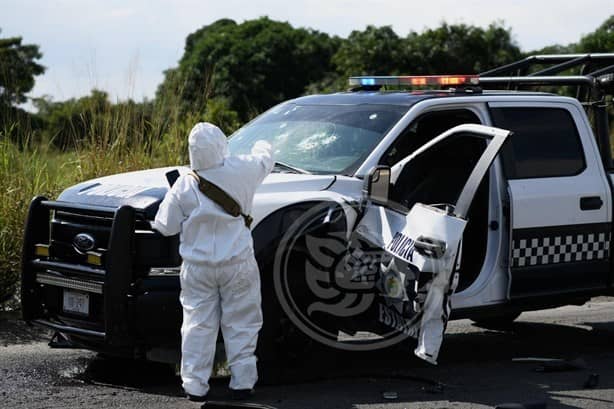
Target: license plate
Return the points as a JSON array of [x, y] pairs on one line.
[[76, 302]]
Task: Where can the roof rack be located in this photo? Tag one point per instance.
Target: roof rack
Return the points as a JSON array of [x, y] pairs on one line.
[[563, 62], [596, 77]]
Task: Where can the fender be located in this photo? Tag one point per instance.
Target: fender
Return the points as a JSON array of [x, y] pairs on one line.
[[281, 213]]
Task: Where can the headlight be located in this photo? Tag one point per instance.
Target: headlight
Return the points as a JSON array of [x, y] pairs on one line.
[[164, 271]]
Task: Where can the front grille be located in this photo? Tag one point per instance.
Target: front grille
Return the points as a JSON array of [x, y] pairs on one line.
[[72, 283], [149, 247], [65, 227]]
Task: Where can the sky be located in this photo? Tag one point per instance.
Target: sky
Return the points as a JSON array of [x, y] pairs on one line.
[[123, 47]]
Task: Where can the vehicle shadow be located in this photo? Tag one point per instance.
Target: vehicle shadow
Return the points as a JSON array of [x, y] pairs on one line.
[[151, 377], [519, 339], [475, 368]]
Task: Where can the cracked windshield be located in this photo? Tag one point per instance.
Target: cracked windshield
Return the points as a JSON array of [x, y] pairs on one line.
[[319, 139]]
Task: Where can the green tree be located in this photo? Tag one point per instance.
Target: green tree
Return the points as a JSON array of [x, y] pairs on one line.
[[18, 67], [218, 112], [374, 51], [68, 123], [252, 65], [454, 49], [599, 41], [461, 49]]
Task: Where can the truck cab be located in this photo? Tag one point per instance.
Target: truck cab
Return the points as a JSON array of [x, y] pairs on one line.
[[346, 220]]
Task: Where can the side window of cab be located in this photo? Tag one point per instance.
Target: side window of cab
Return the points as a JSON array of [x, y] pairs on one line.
[[545, 143]]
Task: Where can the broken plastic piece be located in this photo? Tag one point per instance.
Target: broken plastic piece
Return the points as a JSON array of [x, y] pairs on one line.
[[60, 341]]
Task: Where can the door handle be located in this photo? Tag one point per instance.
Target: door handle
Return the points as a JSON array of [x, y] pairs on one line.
[[591, 203]]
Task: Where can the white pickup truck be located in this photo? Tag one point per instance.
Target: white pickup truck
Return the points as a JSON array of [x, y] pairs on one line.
[[530, 220]]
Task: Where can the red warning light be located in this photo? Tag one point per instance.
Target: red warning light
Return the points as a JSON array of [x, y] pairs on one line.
[[417, 80], [439, 80]]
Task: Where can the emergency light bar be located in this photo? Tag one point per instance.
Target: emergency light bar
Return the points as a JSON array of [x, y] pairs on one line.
[[415, 80]]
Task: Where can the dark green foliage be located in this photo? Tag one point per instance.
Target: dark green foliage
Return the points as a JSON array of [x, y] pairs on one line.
[[555, 49], [259, 63], [460, 49], [20, 126], [218, 112], [252, 65], [92, 118], [374, 51], [599, 41], [18, 67], [67, 123], [457, 49]]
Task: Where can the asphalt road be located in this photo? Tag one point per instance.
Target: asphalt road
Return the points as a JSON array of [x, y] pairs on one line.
[[475, 371]]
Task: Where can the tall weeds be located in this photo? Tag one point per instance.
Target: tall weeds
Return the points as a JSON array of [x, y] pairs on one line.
[[119, 138], [24, 173]]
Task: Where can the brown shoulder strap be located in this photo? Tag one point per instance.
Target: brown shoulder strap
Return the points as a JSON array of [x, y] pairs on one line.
[[221, 198]]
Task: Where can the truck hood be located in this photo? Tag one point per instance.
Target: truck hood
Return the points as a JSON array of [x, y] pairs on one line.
[[144, 190]]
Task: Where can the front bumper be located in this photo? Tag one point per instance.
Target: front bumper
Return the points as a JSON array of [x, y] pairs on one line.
[[127, 309]]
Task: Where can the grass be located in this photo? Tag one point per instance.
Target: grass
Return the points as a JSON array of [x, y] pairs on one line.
[[23, 174], [118, 139]]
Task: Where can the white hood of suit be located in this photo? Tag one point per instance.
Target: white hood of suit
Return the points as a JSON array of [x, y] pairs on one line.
[[207, 146]]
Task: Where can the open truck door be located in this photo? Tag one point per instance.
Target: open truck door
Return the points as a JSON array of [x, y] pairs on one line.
[[420, 247]]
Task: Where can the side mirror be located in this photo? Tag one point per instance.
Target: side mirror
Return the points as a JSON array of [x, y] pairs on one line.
[[172, 176], [377, 184]]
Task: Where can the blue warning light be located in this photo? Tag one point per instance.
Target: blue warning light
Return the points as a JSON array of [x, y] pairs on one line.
[[367, 81]]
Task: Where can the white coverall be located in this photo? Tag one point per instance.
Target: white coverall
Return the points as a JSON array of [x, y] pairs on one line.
[[220, 282]]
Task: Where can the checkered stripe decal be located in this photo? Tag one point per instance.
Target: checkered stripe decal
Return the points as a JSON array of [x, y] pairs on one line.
[[560, 249]]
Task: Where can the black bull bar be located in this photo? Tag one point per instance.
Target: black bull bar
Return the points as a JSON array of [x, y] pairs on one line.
[[117, 272]]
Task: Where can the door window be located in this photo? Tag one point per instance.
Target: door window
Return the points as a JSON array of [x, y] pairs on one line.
[[423, 129], [545, 143], [438, 175]]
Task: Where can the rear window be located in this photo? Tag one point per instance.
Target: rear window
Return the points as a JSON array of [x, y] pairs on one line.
[[545, 142]]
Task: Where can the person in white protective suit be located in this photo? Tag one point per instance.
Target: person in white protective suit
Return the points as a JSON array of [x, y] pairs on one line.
[[220, 282]]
